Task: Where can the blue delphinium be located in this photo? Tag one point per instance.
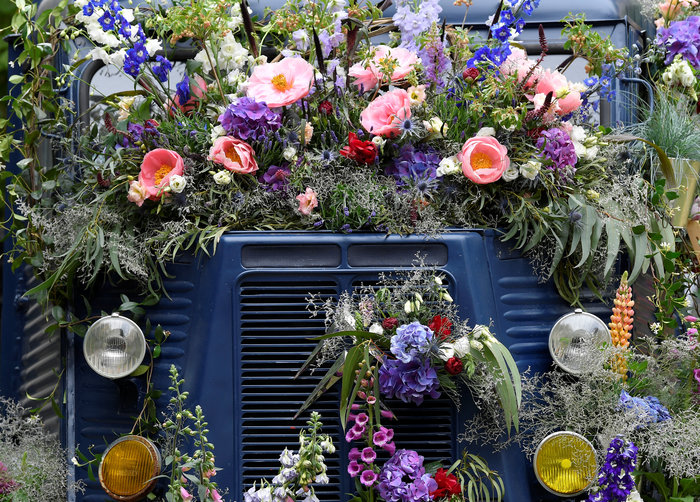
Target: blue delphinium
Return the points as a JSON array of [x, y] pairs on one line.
[[162, 69], [615, 478], [183, 89]]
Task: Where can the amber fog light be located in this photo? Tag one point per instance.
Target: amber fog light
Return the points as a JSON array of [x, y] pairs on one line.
[[565, 463], [114, 346], [129, 468], [573, 338]]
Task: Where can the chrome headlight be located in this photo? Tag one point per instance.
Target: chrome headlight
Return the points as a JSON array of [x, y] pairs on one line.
[[114, 346], [572, 339]]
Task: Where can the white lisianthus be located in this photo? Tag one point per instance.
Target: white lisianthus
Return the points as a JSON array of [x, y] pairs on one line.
[[461, 347], [177, 183], [222, 178], [379, 141], [289, 153], [125, 105], [531, 169], [435, 127], [449, 165], [486, 131], [578, 133], [591, 153], [376, 328], [511, 173], [446, 351], [216, 132], [476, 345]]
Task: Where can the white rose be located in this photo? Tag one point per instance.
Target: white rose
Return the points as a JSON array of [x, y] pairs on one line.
[[449, 165], [379, 141], [222, 178], [177, 183], [289, 153], [531, 169], [486, 131], [462, 347], [511, 173], [376, 328]]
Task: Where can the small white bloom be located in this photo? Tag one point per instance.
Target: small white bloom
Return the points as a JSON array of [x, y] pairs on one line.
[[376, 328], [438, 280], [486, 131], [530, 169], [124, 107], [462, 347], [634, 497], [379, 141], [665, 247], [153, 45], [328, 447], [408, 307], [446, 351], [322, 479], [511, 173], [289, 153], [476, 345], [222, 178], [75, 461], [449, 165], [177, 183], [591, 152], [446, 296], [655, 327], [435, 127], [216, 132], [578, 133]]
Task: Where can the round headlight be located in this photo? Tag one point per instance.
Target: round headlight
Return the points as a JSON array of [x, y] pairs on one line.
[[565, 463], [573, 337], [129, 467], [114, 346]]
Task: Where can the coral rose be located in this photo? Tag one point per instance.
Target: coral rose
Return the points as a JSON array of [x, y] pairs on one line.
[[157, 168], [234, 154], [383, 115], [368, 76], [137, 193], [484, 159], [282, 83], [307, 201]]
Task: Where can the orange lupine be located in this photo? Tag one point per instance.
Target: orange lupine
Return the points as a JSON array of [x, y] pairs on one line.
[[621, 323]]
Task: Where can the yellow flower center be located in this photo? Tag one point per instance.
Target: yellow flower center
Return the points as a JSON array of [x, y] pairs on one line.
[[280, 83], [481, 161], [232, 155], [161, 173]]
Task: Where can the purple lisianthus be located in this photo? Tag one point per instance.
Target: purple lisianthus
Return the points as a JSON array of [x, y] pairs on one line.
[[276, 178], [649, 408], [410, 382], [681, 37], [557, 146], [413, 165], [403, 479], [248, 119], [615, 479], [410, 341]]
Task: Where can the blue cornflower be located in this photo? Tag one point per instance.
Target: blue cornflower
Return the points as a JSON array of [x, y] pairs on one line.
[[107, 21], [162, 69], [183, 89], [89, 9]]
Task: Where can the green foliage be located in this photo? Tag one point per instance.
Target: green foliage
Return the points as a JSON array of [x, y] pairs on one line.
[[479, 482]]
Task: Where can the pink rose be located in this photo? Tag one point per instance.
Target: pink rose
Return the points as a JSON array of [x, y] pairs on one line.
[[484, 159], [234, 154], [137, 193], [282, 83], [368, 76], [570, 102], [307, 201], [383, 115], [156, 169]]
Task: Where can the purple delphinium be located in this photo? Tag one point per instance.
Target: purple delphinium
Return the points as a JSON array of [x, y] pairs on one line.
[[649, 408], [412, 23], [403, 479], [276, 178], [681, 37], [409, 382], [557, 146], [615, 479], [248, 119], [413, 165], [410, 341], [435, 63]]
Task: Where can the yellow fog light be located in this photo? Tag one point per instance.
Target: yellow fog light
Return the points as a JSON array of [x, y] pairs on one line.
[[565, 463], [129, 467]]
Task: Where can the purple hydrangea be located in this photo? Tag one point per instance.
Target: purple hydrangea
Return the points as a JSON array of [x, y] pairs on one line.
[[681, 37], [649, 408], [409, 382], [615, 478], [556, 145], [249, 119], [414, 165], [410, 341], [403, 479], [276, 178]]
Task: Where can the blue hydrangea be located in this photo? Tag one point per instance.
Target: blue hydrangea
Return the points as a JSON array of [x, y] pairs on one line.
[[411, 341], [410, 382], [649, 408]]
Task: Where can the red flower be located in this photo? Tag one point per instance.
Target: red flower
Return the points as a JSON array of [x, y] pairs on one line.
[[454, 366], [441, 326], [448, 485], [325, 107], [470, 74], [360, 151], [390, 323]]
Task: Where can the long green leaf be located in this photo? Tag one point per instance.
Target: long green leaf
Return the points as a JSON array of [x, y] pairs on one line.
[[328, 381], [352, 358], [612, 232]]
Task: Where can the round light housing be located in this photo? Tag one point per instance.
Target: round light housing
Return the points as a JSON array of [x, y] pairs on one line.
[[114, 346], [129, 467], [565, 463], [572, 339]]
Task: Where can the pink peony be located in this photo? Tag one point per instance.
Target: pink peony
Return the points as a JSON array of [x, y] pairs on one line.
[[368, 76], [234, 154], [484, 159], [156, 169], [518, 64], [551, 81], [282, 83], [137, 193], [383, 115], [307, 203]]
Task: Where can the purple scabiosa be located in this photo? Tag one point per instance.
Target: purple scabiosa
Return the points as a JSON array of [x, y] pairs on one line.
[[410, 341], [413, 165], [556, 145], [403, 479], [162, 69], [410, 382], [681, 37], [615, 479], [248, 119], [276, 178]]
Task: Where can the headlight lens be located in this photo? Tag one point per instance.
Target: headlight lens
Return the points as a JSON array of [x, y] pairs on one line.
[[565, 463], [573, 337], [129, 467], [114, 346]]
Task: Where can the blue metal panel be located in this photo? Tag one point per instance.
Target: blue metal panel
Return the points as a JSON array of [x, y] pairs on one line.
[[239, 331]]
